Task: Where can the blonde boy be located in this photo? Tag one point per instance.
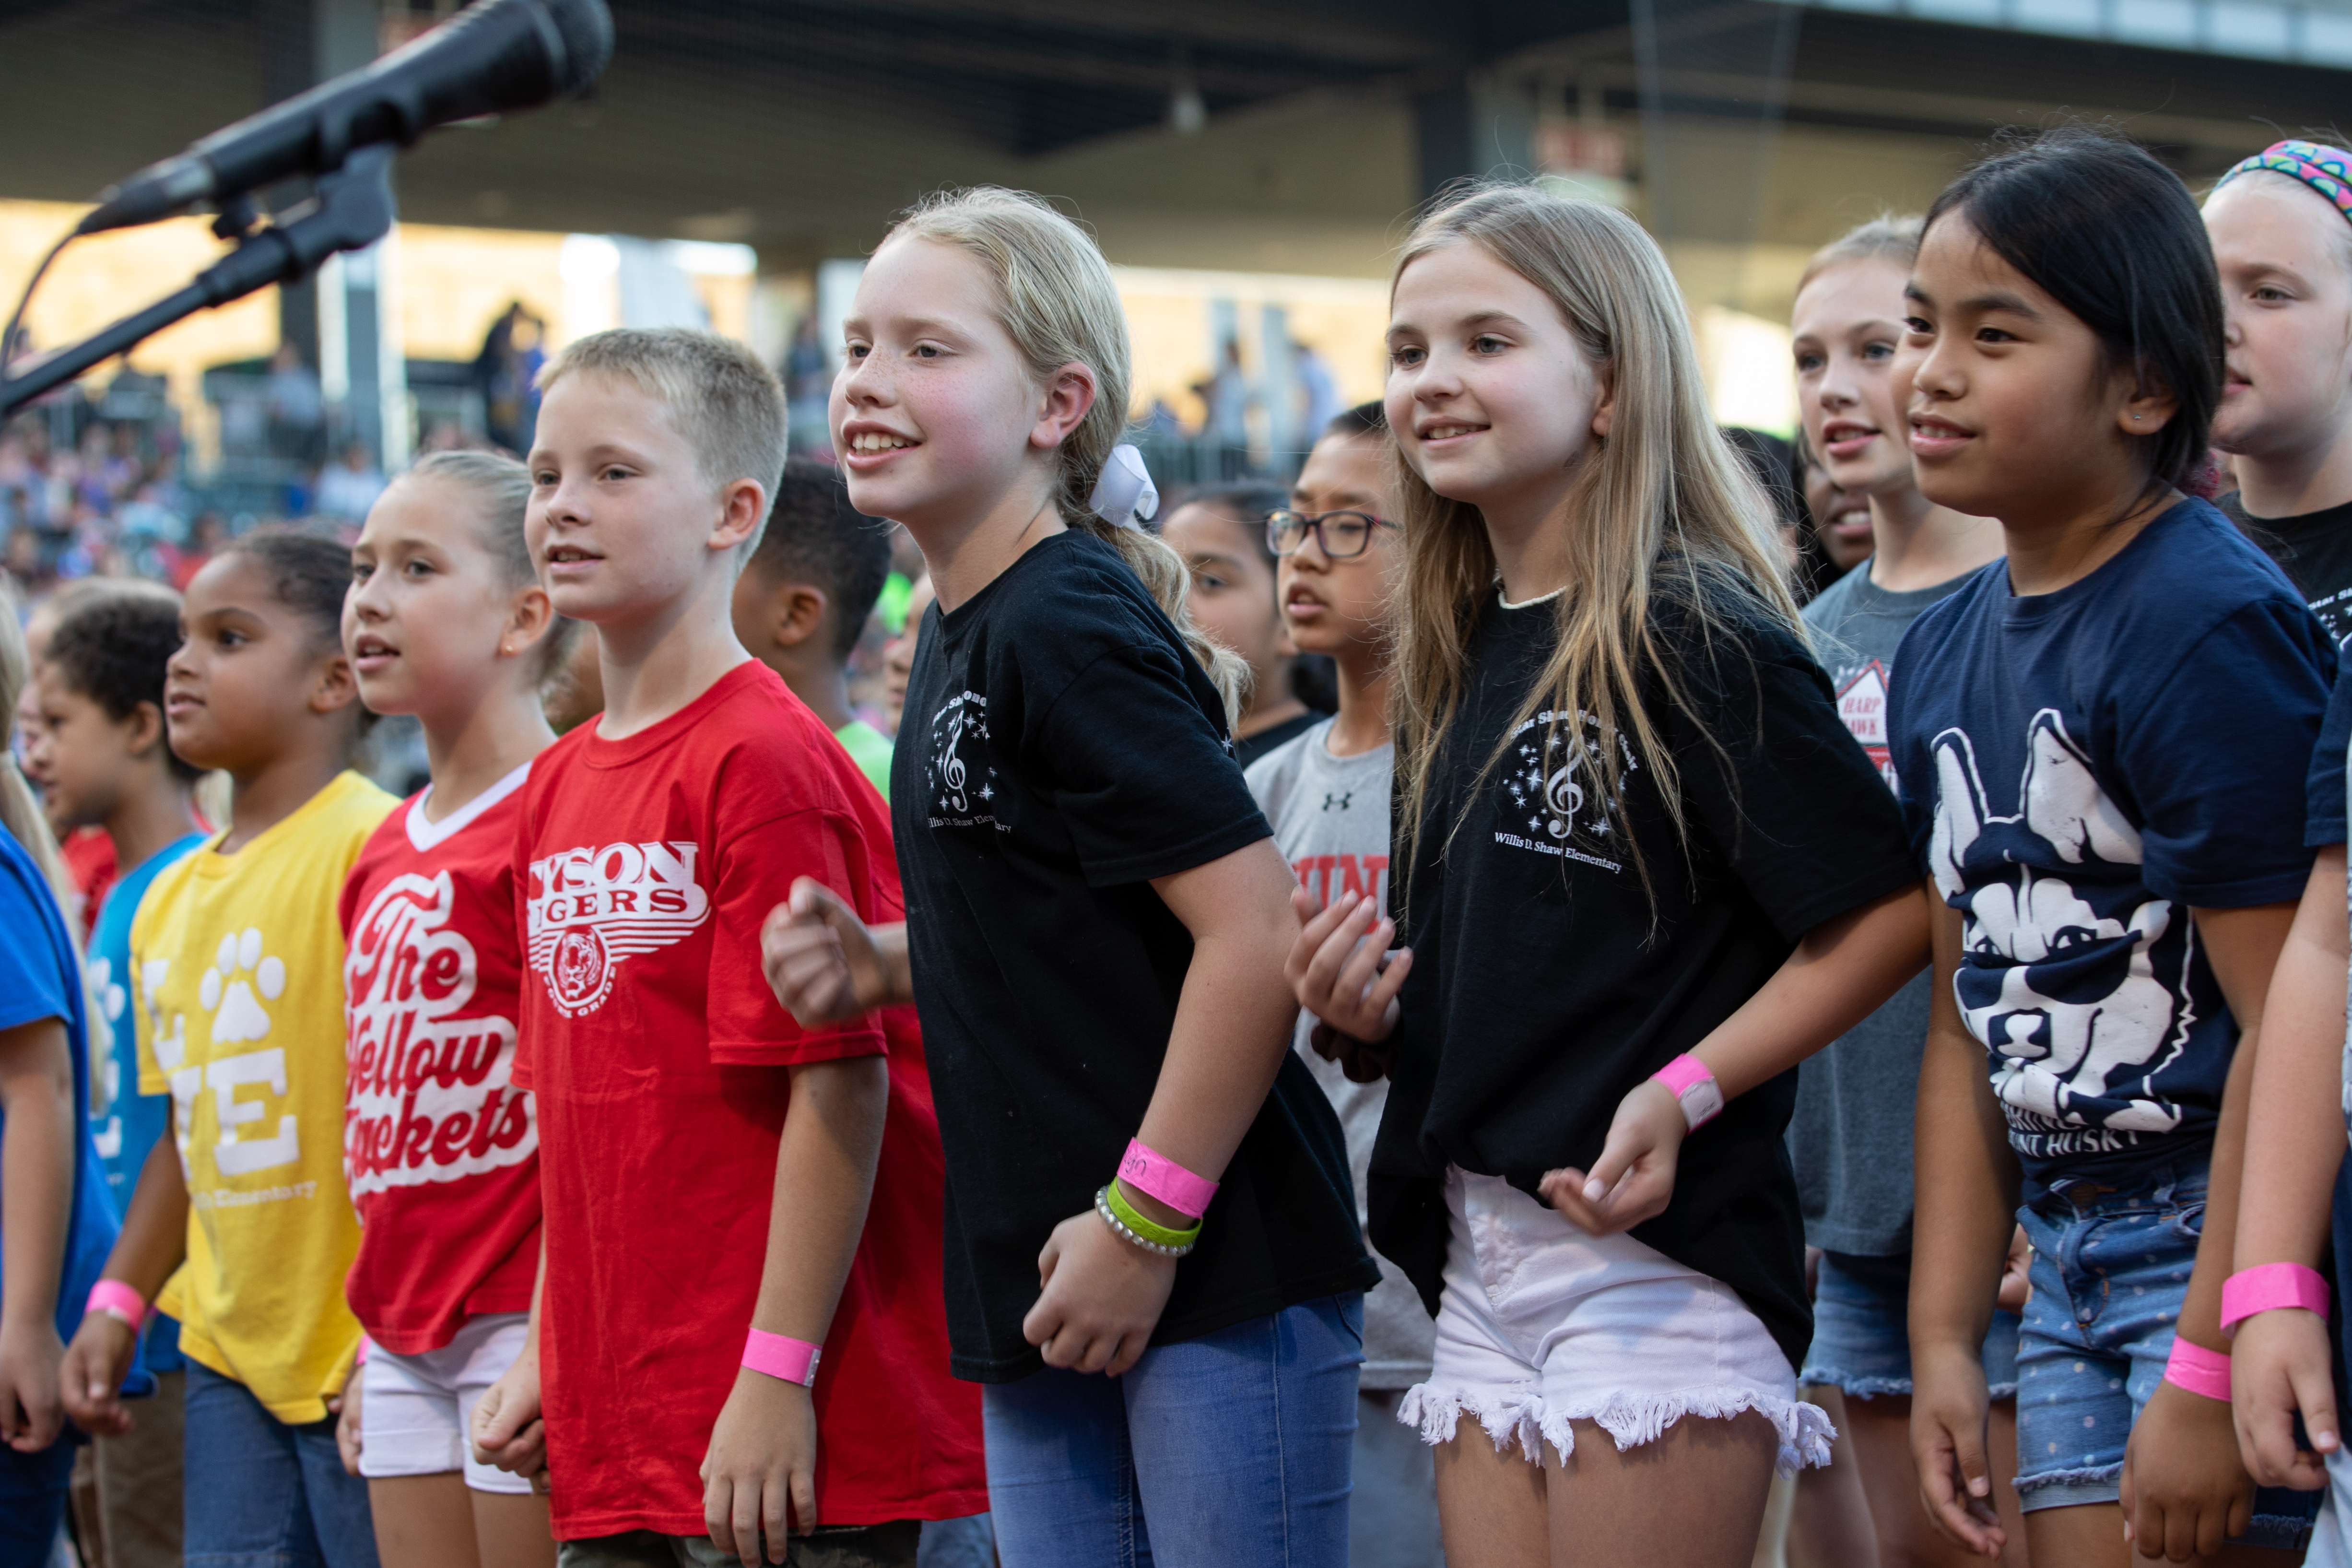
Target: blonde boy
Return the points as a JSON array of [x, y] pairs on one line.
[[709, 1166]]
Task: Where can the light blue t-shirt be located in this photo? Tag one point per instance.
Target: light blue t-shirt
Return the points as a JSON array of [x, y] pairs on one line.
[[38, 980], [127, 1126]]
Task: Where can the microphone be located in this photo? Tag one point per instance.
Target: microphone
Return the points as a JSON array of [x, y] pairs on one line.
[[490, 58]]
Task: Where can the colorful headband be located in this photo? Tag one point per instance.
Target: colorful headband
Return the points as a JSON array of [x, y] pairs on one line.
[[2327, 170]]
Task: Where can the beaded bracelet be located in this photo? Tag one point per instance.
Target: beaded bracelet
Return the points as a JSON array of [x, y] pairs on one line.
[[1123, 1219]]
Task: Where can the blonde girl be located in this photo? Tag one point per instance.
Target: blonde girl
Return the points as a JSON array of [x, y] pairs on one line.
[[1644, 871], [1142, 1180]]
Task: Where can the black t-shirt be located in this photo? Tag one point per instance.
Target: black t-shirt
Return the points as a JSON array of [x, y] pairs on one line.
[[1547, 982], [1061, 749], [2314, 550]]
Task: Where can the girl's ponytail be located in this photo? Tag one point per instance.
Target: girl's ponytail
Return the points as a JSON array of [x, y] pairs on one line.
[[1061, 306]]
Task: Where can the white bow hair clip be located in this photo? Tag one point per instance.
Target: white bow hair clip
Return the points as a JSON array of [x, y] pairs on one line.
[[1124, 496]]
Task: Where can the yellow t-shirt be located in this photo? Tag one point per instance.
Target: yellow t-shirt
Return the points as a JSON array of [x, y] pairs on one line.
[[239, 960]]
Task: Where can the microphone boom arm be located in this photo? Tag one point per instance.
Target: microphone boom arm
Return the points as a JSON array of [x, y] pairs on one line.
[[353, 210]]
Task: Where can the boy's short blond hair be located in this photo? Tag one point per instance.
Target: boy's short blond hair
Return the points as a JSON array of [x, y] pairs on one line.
[[723, 400]]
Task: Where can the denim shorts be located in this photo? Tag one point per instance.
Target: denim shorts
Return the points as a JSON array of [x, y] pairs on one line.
[[1861, 1331], [2110, 1269]]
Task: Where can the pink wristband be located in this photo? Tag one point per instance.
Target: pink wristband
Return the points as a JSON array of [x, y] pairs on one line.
[[790, 1360], [2269, 1286], [1694, 1086], [1164, 1178], [119, 1301], [2197, 1370]]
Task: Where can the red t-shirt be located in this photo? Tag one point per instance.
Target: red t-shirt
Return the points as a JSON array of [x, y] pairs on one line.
[[88, 856], [440, 1149], [656, 1050]]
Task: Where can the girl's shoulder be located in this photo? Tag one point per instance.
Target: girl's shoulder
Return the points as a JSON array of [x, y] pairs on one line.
[[1709, 618], [1066, 602]]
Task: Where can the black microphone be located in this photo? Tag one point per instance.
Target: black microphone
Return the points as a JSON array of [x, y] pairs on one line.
[[489, 59]]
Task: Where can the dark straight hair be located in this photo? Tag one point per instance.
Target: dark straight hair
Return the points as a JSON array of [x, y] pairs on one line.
[[2097, 224]]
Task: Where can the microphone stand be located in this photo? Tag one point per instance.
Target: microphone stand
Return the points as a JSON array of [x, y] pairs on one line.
[[351, 211]]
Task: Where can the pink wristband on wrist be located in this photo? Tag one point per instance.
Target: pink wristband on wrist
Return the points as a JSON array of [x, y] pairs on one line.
[[118, 1302], [790, 1360], [1694, 1086], [1164, 1178], [2269, 1286], [2197, 1370]]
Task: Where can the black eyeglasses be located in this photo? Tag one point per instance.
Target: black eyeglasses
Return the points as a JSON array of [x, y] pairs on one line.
[[1342, 534]]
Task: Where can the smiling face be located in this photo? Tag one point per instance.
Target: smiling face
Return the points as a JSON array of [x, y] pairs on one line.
[[1491, 396], [253, 671], [429, 623], [622, 522], [1848, 325], [1339, 607], [2014, 410], [2286, 258], [935, 415]]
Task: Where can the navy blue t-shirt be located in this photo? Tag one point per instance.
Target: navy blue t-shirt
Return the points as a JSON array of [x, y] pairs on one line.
[[2079, 770]]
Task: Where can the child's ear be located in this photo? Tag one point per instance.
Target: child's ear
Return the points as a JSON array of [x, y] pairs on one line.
[[1069, 396], [336, 686], [797, 613], [742, 506], [1604, 413], [528, 618], [144, 733], [2147, 406]]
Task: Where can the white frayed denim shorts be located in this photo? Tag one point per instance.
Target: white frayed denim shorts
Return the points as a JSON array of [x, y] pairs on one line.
[[416, 1412], [1541, 1324]]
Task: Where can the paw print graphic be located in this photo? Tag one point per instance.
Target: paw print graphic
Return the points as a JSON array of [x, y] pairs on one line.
[[227, 988]]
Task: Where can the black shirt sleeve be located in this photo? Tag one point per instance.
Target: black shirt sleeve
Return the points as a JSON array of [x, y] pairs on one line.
[[1778, 786], [1141, 777], [2324, 785]]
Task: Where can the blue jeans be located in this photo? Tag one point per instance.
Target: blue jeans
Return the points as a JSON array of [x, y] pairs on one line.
[[1226, 1451], [1861, 1331], [33, 1503], [2110, 1271], [262, 1494]]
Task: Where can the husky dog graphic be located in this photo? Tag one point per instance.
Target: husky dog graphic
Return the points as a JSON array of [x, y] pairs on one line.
[[2077, 986]]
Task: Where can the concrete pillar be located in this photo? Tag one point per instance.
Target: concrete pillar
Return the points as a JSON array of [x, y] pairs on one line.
[[1481, 127]]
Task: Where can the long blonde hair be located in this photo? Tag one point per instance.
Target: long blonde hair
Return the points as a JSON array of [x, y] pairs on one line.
[[1662, 507], [1060, 305]]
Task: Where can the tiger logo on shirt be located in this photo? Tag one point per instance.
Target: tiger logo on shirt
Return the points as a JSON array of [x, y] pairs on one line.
[[431, 1095], [590, 910]]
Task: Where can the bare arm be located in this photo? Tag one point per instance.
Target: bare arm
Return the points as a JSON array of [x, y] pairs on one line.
[[1099, 1297], [154, 1242], [2279, 1362], [2185, 1486], [37, 1168], [1841, 972], [1965, 1192], [507, 1431], [759, 1476]]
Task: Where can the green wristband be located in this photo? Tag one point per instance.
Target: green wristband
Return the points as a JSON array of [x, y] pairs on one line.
[[1151, 1230]]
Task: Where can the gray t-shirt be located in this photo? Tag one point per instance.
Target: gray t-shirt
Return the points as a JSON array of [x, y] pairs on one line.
[[1851, 1137], [1330, 819]]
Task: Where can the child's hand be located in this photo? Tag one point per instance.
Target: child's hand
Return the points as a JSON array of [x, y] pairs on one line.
[[1949, 1406], [2278, 1366], [819, 958], [762, 1461], [2184, 1488], [1634, 1177], [2017, 1274], [1341, 967], [346, 1407], [89, 1377], [508, 1432], [1099, 1298], [30, 1356]]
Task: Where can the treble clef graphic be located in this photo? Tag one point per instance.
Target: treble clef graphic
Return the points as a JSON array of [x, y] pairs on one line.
[[1565, 797], [951, 764]]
